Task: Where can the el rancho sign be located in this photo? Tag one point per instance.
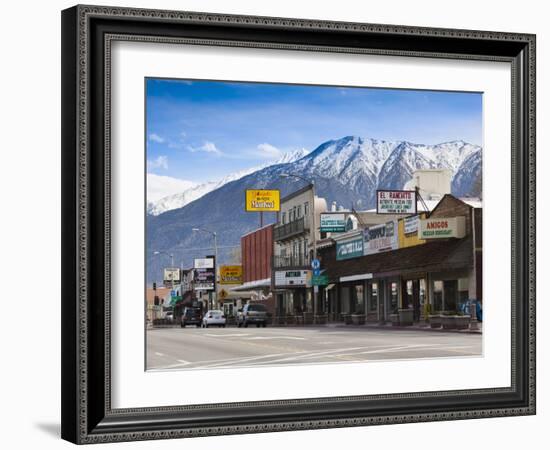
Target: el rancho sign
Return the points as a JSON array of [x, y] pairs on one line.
[[442, 228]]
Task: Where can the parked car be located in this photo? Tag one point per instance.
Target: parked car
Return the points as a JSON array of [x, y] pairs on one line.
[[253, 313], [169, 317], [213, 317], [191, 316]]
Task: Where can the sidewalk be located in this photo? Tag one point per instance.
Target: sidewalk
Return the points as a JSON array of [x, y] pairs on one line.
[[389, 326]]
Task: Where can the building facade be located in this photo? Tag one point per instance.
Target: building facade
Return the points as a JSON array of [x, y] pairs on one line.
[[420, 264], [256, 258], [294, 238]]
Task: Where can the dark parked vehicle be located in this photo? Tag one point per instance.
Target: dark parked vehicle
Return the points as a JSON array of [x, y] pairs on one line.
[[253, 314], [191, 316]]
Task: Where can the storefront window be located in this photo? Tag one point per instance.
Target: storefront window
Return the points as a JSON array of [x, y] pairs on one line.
[[344, 291], [372, 296], [438, 296], [359, 306], [462, 293], [450, 294], [394, 297]]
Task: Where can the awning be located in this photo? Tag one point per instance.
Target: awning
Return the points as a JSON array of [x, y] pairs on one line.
[[437, 256], [362, 276], [250, 285]]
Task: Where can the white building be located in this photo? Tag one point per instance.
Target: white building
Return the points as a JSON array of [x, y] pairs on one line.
[[294, 235]]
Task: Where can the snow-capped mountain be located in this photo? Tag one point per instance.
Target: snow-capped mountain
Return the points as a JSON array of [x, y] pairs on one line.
[[196, 191], [347, 170]]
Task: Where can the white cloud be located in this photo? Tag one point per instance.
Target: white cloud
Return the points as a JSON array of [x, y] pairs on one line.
[[269, 151], [207, 147], [159, 186], [160, 163], [156, 138]]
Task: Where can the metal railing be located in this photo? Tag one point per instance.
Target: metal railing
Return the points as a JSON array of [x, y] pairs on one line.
[[280, 262], [288, 230]]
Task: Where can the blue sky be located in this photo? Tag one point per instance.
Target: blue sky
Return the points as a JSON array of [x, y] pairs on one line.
[[202, 130]]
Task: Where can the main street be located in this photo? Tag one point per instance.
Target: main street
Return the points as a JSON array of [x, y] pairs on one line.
[[208, 348]]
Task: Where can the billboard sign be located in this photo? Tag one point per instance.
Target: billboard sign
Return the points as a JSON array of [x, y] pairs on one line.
[[231, 274], [260, 200], [172, 274], [381, 238], [351, 248], [333, 223], [395, 202], [204, 279], [442, 228], [204, 263]]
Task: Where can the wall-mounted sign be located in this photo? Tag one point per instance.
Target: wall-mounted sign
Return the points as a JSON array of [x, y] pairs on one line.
[[258, 200], [172, 274], [395, 202], [411, 224], [441, 228], [204, 263], [231, 274], [291, 277], [333, 223], [381, 238], [347, 249]]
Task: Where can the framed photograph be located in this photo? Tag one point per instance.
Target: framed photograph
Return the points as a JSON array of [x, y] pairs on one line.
[[281, 224]]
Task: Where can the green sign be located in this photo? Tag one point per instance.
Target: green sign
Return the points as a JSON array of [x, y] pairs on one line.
[[175, 299], [319, 280], [333, 223], [349, 249]]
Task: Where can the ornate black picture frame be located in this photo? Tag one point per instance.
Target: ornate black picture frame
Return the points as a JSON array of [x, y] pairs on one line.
[[87, 34]]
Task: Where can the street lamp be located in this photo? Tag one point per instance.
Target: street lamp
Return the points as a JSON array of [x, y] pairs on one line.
[[213, 233], [156, 252], [313, 224]]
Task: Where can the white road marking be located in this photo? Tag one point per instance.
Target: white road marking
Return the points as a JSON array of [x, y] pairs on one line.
[[277, 337], [227, 335], [159, 354]]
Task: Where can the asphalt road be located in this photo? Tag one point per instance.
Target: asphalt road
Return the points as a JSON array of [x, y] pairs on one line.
[[209, 348]]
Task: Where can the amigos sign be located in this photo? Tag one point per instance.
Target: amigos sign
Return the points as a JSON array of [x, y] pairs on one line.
[[442, 227]]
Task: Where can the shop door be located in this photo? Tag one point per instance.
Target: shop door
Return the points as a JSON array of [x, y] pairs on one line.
[[228, 309], [450, 294]]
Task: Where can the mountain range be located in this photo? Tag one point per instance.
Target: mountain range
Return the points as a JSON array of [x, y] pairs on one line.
[[197, 190], [347, 171]]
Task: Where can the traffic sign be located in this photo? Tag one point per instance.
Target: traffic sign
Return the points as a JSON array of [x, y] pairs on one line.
[[222, 295], [319, 280], [315, 264], [316, 272]]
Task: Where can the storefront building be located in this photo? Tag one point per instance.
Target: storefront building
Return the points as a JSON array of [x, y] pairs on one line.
[[417, 264], [256, 258], [293, 235]]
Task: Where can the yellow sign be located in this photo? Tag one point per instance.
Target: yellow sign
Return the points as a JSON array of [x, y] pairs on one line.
[[222, 295], [231, 274], [258, 200]]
